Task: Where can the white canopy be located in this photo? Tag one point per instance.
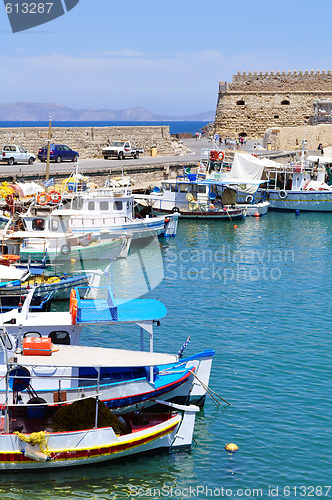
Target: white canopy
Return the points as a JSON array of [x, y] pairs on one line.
[[321, 159], [78, 356], [10, 273]]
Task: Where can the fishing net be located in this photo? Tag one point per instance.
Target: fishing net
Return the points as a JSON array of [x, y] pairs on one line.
[[81, 415]]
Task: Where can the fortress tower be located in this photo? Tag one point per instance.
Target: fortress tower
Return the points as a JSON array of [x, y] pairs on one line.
[[253, 102]]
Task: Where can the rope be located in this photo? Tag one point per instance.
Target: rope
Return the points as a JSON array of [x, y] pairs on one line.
[[209, 391], [40, 438]]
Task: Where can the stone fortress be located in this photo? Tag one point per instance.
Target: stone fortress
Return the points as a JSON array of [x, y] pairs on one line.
[[262, 104]]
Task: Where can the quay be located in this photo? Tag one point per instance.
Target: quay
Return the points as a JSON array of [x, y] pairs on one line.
[[144, 170]]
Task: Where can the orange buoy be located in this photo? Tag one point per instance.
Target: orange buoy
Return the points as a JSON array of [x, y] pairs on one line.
[[235, 226], [257, 214], [232, 447]]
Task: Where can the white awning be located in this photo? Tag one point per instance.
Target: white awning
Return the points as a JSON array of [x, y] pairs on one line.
[[80, 356]]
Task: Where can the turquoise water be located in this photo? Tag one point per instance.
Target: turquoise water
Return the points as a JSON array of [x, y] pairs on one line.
[[260, 295]]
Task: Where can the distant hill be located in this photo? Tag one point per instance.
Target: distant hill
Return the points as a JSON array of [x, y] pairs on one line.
[[29, 111]]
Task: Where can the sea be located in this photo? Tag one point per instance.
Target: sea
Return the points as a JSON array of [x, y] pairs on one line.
[[258, 292], [176, 127]]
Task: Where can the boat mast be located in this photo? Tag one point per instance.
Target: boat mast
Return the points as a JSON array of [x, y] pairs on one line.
[[48, 153]]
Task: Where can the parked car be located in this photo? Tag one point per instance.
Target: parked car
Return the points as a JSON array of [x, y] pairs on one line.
[[58, 153], [16, 154], [120, 150]]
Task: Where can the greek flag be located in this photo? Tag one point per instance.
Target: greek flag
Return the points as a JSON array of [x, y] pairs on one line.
[[50, 182]]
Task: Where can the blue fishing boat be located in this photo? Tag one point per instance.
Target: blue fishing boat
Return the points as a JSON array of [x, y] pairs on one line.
[[128, 379]]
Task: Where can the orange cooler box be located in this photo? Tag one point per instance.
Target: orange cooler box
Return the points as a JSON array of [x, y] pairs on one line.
[[37, 346]]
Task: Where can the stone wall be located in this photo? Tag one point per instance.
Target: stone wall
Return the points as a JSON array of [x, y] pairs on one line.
[[89, 141], [288, 138], [253, 102]]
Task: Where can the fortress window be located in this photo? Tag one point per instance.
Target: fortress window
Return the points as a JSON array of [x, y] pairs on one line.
[[240, 102], [276, 116], [285, 103]]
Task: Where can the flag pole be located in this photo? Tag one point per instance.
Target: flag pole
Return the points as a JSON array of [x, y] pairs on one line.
[[48, 153]]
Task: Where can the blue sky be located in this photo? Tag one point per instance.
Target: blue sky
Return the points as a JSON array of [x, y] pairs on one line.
[[166, 56]]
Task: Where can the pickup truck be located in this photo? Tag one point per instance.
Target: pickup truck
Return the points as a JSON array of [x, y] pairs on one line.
[[16, 154], [120, 150]]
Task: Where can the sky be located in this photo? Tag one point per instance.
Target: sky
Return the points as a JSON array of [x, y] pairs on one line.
[[165, 56]]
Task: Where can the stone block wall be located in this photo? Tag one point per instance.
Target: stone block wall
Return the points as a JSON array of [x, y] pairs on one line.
[[89, 141], [288, 138], [251, 103]]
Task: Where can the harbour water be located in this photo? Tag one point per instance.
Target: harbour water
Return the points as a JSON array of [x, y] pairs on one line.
[[260, 295]]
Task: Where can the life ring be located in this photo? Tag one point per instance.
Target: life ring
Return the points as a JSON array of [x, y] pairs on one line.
[[43, 198], [175, 210], [282, 194], [249, 198], [221, 155], [55, 196], [10, 256], [74, 311], [65, 249], [72, 299]]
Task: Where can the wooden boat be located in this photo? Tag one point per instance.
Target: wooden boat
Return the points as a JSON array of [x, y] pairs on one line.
[[48, 449], [52, 236], [304, 186], [37, 435], [192, 197], [106, 211], [171, 377]]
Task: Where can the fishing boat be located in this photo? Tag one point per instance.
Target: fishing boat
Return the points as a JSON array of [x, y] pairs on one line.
[[36, 236], [170, 377], [37, 435], [105, 211], [35, 448], [192, 197], [293, 186]]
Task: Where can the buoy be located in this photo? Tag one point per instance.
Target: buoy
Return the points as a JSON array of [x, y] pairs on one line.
[[257, 214], [297, 213], [73, 261], [235, 226], [232, 447]]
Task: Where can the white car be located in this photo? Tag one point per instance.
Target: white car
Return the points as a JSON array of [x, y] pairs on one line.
[[16, 154]]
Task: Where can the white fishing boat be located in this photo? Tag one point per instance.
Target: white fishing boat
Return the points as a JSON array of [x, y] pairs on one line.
[[304, 186], [35, 448], [192, 197], [36, 435], [105, 211], [34, 236], [147, 375]]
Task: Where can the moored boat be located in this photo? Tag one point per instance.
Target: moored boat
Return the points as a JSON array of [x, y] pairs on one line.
[[145, 374]]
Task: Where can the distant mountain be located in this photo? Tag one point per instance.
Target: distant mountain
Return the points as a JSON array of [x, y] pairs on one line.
[[29, 111]]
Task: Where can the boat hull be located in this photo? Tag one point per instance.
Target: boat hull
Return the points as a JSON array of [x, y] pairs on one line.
[[66, 449], [227, 214], [310, 201]]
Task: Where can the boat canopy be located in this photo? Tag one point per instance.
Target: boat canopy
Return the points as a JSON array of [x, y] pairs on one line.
[[79, 356], [321, 159]]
